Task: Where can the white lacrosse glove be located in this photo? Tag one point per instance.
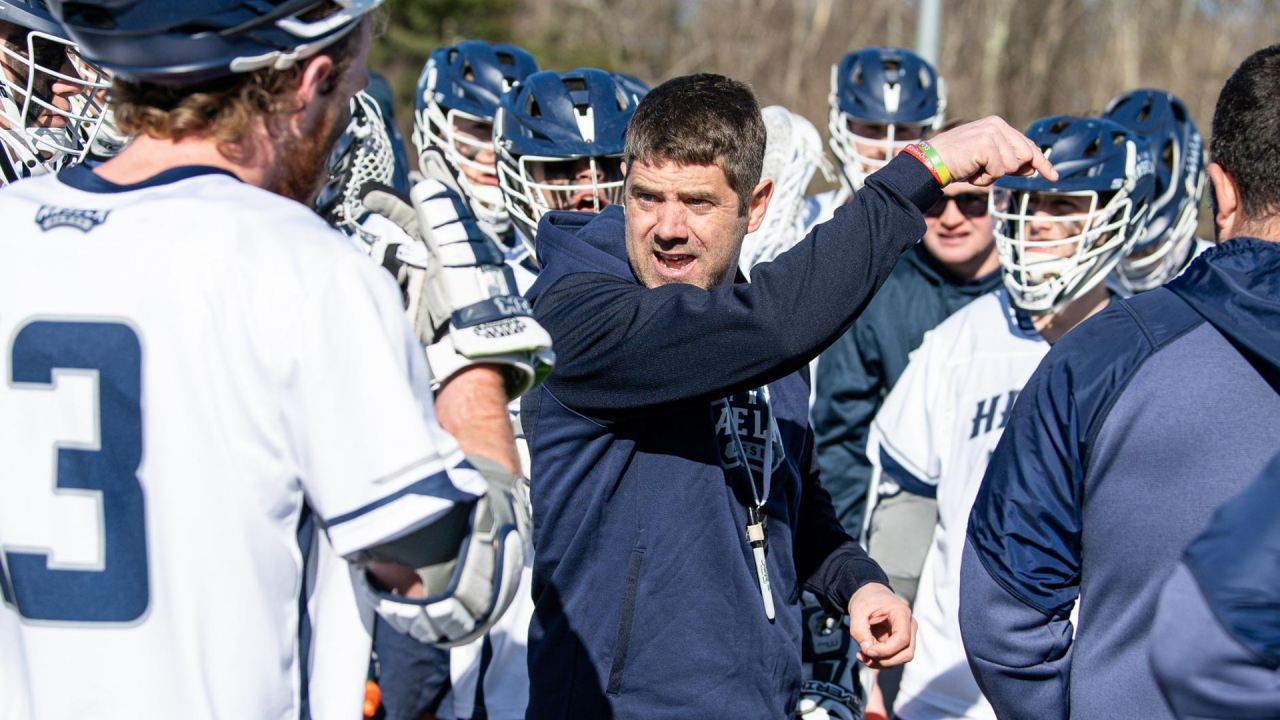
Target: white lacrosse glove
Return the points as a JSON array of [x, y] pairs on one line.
[[461, 295], [466, 594]]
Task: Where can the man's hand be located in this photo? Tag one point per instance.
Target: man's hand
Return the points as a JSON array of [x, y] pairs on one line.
[[986, 150], [881, 623]]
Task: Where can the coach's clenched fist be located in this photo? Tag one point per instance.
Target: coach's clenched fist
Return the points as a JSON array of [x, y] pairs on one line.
[[881, 623], [985, 150]]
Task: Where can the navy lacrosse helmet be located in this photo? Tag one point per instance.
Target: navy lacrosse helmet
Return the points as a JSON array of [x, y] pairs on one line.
[[1057, 240], [559, 138], [1180, 157], [890, 87], [32, 15], [633, 85], [191, 41], [465, 82], [42, 131]]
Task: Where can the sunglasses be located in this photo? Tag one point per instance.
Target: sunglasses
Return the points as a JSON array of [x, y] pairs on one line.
[[972, 205]]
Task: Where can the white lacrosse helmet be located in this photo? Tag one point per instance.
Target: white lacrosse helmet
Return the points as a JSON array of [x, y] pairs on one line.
[[792, 154], [1098, 160], [52, 99]]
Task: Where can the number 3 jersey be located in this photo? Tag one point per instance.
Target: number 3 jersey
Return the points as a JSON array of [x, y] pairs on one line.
[[935, 433], [195, 371]]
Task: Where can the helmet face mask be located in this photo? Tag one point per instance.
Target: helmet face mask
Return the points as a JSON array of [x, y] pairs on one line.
[[1154, 264], [535, 185], [881, 100], [1050, 258], [41, 131], [459, 135], [457, 98], [1179, 154], [1058, 240], [559, 140], [863, 147]]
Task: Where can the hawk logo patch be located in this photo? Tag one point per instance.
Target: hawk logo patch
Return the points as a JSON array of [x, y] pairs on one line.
[[81, 219]]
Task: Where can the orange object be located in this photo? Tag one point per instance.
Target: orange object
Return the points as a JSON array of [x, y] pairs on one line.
[[875, 716], [372, 698]]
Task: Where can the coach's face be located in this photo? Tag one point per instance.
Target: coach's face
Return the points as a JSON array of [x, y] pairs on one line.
[[684, 223]]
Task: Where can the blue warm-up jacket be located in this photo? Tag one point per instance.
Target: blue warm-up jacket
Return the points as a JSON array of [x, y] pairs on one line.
[[1136, 425], [1215, 647], [858, 371], [647, 604]]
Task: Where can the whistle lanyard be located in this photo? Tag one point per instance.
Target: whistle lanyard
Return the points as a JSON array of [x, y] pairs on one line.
[[755, 511]]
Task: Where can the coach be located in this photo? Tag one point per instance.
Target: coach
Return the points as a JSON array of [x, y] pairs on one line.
[[1133, 429], [678, 511]]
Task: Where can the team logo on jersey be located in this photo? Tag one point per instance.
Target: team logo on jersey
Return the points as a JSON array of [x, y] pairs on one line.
[[748, 413], [82, 219], [984, 418]]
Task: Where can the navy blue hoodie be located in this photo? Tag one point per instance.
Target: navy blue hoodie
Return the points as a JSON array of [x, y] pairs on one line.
[[647, 604], [1136, 425]]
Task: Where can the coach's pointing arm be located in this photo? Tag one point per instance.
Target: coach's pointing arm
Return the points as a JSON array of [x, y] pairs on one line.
[[623, 346]]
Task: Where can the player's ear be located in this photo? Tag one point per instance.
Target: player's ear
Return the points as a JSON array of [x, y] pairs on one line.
[[318, 79], [760, 197], [1225, 201]]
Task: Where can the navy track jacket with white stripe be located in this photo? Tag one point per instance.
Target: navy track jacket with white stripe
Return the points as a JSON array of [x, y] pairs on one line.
[[1137, 425], [647, 605]]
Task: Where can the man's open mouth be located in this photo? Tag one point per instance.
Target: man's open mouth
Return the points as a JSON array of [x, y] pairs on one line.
[[673, 261]]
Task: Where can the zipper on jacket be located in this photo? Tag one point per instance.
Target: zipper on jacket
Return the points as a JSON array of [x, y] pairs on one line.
[[624, 624]]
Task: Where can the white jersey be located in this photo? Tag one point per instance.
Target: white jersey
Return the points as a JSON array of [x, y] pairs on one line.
[[196, 368], [936, 430]]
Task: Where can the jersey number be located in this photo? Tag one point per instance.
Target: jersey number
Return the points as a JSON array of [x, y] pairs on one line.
[[116, 591]]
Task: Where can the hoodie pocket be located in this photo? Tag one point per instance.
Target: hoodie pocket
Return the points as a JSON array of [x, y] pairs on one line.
[[624, 623]]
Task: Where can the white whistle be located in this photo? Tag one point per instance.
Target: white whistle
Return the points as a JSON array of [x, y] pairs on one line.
[[755, 536], [762, 574]]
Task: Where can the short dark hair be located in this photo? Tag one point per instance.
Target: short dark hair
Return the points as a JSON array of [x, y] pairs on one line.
[[701, 119], [1246, 132]]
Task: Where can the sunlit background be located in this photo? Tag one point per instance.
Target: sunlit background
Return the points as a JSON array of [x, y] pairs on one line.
[[1021, 59]]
